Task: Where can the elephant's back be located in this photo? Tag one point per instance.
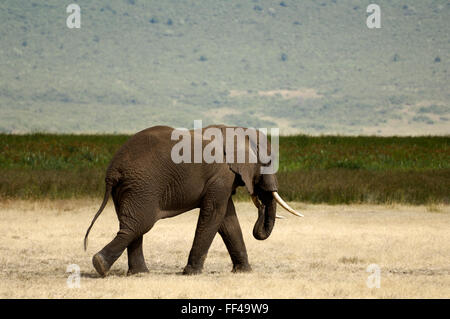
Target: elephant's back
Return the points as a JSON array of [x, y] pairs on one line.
[[146, 169], [145, 160], [146, 145]]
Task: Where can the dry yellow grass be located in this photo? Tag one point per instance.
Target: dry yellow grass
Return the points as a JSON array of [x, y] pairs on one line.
[[324, 254]]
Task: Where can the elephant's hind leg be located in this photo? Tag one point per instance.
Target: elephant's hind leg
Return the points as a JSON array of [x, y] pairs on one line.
[[136, 261], [105, 258], [134, 223]]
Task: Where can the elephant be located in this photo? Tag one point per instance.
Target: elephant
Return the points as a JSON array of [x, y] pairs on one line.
[[147, 185]]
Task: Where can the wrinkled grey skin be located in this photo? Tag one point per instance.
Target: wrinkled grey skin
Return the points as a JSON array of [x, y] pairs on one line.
[[146, 185]]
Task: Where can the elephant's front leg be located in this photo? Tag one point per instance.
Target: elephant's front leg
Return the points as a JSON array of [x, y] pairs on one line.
[[210, 218], [136, 261], [231, 233]]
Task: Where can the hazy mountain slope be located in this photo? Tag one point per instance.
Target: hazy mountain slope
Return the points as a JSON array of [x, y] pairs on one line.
[[137, 63]]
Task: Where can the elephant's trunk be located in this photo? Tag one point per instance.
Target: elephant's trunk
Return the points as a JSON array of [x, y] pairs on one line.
[[266, 219]]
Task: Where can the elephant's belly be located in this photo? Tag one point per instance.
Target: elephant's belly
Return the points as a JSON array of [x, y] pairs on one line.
[[179, 196], [172, 213]]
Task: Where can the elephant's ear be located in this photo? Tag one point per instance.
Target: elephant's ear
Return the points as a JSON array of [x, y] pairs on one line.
[[237, 141]]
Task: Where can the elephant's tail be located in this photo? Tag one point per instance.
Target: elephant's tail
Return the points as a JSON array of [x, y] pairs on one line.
[[105, 201]]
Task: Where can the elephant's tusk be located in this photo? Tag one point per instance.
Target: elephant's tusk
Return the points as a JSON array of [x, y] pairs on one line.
[[280, 216], [285, 205]]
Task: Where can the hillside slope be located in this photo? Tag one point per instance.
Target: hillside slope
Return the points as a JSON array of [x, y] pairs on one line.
[[309, 67]]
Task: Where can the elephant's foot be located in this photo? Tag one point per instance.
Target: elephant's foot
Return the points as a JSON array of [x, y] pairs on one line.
[[241, 268], [101, 264], [137, 270], [190, 270]]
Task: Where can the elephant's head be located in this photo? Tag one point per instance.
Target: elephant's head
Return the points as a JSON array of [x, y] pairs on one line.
[[262, 186]]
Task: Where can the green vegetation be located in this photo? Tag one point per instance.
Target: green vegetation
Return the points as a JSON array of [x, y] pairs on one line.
[[364, 152], [332, 169]]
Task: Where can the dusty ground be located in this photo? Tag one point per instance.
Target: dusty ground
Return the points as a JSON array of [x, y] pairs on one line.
[[325, 254]]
